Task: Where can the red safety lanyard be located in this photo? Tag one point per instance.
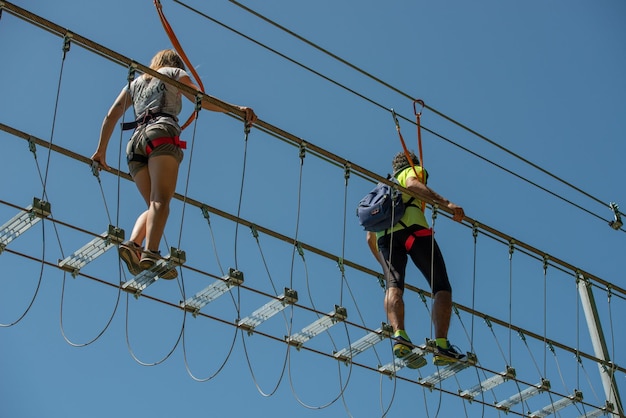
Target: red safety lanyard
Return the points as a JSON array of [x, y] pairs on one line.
[[406, 151]]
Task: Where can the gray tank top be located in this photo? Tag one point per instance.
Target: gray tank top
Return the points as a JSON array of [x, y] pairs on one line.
[[156, 96]]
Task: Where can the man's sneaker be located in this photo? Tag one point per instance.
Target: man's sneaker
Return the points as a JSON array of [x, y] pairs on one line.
[[403, 350], [445, 356], [149, 258], [402, 347], [129, 253]]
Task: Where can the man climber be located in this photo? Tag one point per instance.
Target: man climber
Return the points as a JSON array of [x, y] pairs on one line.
[[412, 237]]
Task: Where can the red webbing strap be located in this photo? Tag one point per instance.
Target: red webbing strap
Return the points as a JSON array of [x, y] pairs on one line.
[[181, 52], [418, 119], [418, 116], [408, 244], [174, 140]]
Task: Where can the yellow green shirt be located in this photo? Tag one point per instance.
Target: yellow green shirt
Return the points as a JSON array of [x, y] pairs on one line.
[[413, 213]]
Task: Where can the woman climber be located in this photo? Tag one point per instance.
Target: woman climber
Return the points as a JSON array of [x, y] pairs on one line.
[[153, 152]]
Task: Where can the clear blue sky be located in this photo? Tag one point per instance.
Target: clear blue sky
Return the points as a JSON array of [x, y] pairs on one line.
[[545, 80]]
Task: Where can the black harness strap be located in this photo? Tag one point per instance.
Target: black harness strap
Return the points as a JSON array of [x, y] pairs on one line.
[[147, 117]]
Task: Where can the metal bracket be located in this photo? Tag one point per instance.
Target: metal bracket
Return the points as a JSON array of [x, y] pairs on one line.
[[616, 223]]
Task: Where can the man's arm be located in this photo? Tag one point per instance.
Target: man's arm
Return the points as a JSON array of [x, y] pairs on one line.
[[413, 184]]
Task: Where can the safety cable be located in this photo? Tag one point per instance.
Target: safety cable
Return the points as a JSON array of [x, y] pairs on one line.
[[420, 292], [119, 59], [298, 248], [131, 351], [405, 95], [207, 216], [99, 333], [33, 149], [545, 312], [409, 287], [511, 251], [474, 265], [188, 366], [288, 326], [228, 322], [246, 131], [39, 281], [44, 193]]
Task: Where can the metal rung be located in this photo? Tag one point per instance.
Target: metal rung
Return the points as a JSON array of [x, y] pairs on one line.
[[525, 394], [92, 250], [489, 384], [21, 222], [449, 370], [289, 297], [212, 292], [365, 342], [147, 277], [317, 327], [399, 363], [608, 408], [558, 405]]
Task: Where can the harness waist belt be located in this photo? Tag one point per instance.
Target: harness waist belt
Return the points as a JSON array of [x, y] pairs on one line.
[[145, 119], [153, 143], [408, 244]]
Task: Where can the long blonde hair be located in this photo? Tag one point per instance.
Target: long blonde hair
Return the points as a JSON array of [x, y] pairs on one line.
[[165, 58]]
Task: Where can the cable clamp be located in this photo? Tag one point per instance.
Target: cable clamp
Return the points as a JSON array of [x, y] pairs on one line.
[[616, 223], [66, 41]]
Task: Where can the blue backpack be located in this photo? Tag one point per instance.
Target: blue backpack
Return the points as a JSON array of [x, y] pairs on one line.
[[381, 208]]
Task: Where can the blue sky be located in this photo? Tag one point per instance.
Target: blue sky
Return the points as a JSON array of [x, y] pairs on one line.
[[544, 80]]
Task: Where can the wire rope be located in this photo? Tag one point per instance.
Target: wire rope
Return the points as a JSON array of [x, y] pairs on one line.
[[99, 333], [176, 306], [288, 324], [132, 351], [39, 281], [407, 96], [243, 177]]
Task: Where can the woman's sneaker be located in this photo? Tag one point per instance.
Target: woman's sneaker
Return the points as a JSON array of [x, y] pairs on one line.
[[130, 253], [444, 356], [149, 258]]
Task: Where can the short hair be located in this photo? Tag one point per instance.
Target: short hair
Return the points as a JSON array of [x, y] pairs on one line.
[[400, 161]]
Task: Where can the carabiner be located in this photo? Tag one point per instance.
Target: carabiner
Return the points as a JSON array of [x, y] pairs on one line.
[[421, 102]]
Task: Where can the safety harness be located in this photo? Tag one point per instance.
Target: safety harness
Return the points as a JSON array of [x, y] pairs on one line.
[[151, 144], [408, 244]]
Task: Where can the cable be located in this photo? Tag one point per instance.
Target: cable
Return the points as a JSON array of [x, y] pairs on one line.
[[407, 96]]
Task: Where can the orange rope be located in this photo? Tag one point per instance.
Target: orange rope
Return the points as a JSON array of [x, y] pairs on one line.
[[181, 52], [418, 116], [408, 155]]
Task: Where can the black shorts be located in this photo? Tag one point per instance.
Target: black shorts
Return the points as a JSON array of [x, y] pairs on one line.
[[393, 248]]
